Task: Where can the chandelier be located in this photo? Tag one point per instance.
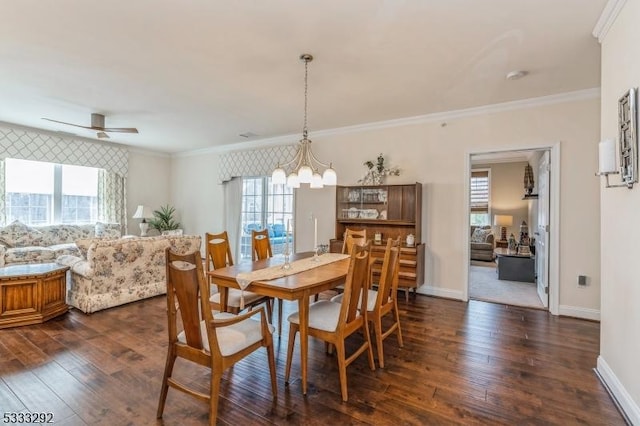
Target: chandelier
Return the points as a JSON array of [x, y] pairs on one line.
[[305, 167]]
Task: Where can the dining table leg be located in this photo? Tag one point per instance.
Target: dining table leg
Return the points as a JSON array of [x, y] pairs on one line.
[[303, 312], [224, 297]]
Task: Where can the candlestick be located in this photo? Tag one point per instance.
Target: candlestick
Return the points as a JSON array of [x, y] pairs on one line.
[[286, 253], [315, 239], [315, 232], [286, 237]]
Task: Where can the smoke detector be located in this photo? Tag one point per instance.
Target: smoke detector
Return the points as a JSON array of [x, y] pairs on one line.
[[516, 75]]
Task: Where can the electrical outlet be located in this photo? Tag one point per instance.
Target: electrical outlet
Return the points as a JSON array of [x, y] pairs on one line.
[[582, 280]]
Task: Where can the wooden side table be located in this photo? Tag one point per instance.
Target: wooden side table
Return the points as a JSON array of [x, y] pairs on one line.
[[32, 294]]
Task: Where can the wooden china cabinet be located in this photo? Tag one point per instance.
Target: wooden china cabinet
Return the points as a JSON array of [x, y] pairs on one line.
[[392, 211]]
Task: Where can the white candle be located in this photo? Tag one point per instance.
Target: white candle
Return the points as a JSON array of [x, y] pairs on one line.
[[607, 156], [315, 233], [286, 237]]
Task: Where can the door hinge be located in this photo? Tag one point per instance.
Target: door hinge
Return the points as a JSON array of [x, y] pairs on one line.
[[546, 290]]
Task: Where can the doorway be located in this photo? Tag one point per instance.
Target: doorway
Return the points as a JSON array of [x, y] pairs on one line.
[[515, 274]]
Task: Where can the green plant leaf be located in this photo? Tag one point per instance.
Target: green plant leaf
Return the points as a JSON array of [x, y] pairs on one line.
[[163, 219]]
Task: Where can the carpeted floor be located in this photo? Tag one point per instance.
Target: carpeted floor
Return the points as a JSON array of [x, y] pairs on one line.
[[485, 285]]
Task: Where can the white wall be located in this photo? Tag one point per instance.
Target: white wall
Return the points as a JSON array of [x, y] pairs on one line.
[[196, 193], [436, 156], [148, 183], [619, 338]]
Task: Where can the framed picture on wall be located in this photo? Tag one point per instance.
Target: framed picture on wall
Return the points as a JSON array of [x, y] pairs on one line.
[[628, 137]]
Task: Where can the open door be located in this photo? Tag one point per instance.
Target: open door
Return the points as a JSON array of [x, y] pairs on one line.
[[542, 232]]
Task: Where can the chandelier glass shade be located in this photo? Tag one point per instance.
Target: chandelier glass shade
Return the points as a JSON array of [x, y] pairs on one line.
[[304, 166]]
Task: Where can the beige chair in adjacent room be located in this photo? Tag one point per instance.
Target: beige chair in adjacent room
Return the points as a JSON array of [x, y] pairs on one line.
[[334, 322], [218, 251], [196, 335]]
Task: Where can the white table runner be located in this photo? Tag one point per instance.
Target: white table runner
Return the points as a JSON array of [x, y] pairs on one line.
[[273, 272]]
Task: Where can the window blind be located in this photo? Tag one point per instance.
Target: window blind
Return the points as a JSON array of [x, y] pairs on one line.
[[480, 191]]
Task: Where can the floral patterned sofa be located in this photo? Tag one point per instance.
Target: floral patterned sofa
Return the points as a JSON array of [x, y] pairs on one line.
[[112, 272], [20, 243]]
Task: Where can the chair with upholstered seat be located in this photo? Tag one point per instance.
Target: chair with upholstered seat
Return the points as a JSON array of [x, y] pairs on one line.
[[219, 255], [261, 249], [350, 239], [333, 322], [217, 342], [384, 300]]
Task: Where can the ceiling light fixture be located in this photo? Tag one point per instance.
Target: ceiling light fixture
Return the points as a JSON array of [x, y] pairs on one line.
[[305, 165]]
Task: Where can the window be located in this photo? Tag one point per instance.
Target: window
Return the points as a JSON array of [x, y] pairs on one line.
[[265, 205], [479, 203], [39, 193]]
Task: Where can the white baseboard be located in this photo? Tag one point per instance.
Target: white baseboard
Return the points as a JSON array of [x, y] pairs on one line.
[[578, 312], [440, 292], [623, 400]]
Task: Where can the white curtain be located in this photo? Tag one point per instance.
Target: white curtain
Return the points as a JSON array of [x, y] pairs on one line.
[[112, 199], [3, 194], [232, 209]]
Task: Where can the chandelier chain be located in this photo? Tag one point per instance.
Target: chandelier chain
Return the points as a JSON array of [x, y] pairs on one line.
[[306, 74]]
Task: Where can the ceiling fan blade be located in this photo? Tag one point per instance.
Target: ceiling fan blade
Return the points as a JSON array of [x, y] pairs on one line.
[[70, 124], [121, 130]]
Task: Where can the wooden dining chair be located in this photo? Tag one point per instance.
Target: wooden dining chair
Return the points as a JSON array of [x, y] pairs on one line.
[[217, 342], [261, 249], [260, 245], [384, 300], [333, 322], [218, 255], [352, 237]]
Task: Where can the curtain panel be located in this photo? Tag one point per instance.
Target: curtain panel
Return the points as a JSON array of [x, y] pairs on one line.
[[112, 199], [3, 193]]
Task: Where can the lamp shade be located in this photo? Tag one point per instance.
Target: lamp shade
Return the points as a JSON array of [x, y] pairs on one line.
[[502, 220], [607, 156], [142, 212], [279, 176]]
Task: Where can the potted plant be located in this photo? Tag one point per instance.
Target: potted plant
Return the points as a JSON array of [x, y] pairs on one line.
[[163, 219]]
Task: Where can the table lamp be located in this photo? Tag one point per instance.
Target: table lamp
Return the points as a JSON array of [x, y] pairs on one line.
[[143, 212], [503, 220]]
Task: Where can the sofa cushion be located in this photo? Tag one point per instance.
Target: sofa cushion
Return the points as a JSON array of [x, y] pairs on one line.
[[83, 244], [482, 246], [65, 248], [62, 233], [17, 234], [108, 230], [480, 235], [277, 229], [30, 255]]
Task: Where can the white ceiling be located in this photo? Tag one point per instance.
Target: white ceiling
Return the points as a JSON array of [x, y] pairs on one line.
[[196, 74]]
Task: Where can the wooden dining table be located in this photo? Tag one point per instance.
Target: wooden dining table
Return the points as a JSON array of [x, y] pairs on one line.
[[299, 286]]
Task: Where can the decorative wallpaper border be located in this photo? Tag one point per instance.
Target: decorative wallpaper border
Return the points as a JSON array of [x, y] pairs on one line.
[[32, 145], [257, 162]]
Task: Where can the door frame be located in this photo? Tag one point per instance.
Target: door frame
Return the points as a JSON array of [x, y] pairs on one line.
[[554, 218]]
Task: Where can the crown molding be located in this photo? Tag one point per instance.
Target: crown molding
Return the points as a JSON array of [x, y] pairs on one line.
[[607, 18], [147, 152], [578, 95]]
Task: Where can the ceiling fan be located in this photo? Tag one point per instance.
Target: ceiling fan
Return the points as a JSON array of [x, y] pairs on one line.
[[97, 123]]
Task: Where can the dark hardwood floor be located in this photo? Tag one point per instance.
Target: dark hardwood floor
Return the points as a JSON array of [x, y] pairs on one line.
[[475, 363]]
